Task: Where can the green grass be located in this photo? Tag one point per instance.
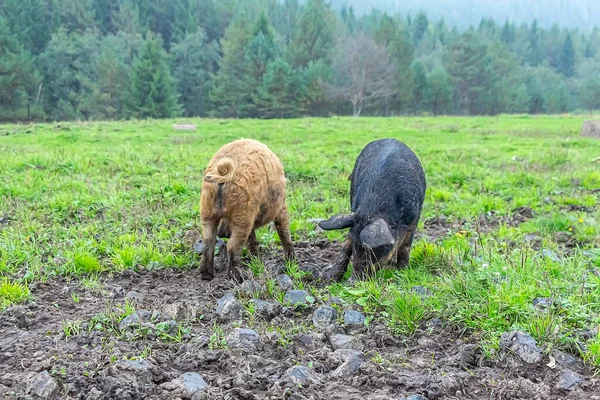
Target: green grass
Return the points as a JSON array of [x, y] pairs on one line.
[[87, 199]]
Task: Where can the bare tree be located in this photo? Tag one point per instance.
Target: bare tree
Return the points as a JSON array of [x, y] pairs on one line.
[[363, 72]]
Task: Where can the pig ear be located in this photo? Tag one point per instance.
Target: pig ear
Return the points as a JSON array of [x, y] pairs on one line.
[[377, 234], [337, 222]]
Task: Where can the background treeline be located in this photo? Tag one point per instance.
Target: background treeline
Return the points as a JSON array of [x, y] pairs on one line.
[[113, 59]]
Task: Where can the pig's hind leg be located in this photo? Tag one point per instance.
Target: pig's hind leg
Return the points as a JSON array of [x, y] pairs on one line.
[[207, 266], [282, 224]]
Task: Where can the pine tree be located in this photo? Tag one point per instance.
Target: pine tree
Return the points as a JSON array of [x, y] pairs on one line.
[[258, 53], [535, 54], [228, 92], [186, 19], [508, 34], [313, 37], [438, 91], [152, 92], [68, 68], [278, 94], [566, 60], [76, 15], [420, 86], [420, 27], [30, 21], [520, 100], [106, 12], [193, 60], [17, 77]]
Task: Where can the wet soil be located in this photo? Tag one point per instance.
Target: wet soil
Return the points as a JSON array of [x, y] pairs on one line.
[[437, 362]]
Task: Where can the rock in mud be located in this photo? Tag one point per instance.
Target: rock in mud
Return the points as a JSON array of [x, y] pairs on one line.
[[324, 316], [354, 320], [565, 360], [131, 321], [304, 340], [469, 356], [352, 360], [267, 309], [568, 380], [251, 288], [42, 385], [295, 297], [186, 386], [284, 282], [244, 339], [551, 255], [228, 308], [134, 296], [414, 397], [421, 291], [134, 371], [542, 302], [523, 345], [345, 342], [180, 311], [301, 374]]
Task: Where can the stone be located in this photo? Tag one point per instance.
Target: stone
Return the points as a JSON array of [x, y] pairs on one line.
[[414, 397], [186, 386], [591, 129], [301, 374], [131, 321], [345, 342], [352, 360], [243, 339], [523, 345], [354, 319], [568, 380], [135, 297], [284, 282], [551, 255], [324, 316], [134, 371], [542, 303], [565, 360], [267, 309], [304, 339], [251, 288], [169, 327], [295, 297], [180, 311], [42, 385], [421, 291], [228, 308]]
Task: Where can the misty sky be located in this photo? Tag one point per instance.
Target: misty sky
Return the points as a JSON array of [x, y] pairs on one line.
[[582, 14]]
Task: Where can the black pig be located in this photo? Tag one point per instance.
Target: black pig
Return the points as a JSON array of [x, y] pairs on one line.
[[387, 191]]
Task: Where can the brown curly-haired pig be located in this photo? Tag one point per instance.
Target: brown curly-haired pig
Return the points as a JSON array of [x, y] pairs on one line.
[[243, 189]]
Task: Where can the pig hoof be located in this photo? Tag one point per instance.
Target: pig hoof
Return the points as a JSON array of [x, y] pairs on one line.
[[206, 276]]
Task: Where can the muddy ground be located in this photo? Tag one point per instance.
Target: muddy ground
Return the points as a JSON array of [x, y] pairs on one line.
[[45, 352]]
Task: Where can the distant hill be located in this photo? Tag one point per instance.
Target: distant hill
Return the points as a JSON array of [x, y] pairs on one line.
[[582, 14]]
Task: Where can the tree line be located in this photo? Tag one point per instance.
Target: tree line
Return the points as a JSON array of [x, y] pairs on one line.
[[116, 59]]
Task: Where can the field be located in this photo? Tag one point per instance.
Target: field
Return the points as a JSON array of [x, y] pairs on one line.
[[98, 223]]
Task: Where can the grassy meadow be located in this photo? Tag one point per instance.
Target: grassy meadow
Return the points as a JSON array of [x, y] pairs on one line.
[[85, 200]]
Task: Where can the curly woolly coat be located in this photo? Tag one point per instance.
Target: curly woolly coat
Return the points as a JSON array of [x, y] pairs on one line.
[[243, 189]]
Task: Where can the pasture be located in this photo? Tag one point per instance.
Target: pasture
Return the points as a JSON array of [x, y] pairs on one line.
[[98, 221]]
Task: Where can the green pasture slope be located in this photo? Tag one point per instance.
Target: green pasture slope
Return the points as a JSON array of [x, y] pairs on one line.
[[83, 200]]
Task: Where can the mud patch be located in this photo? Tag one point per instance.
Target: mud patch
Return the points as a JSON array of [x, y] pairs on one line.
[[177, 348]]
